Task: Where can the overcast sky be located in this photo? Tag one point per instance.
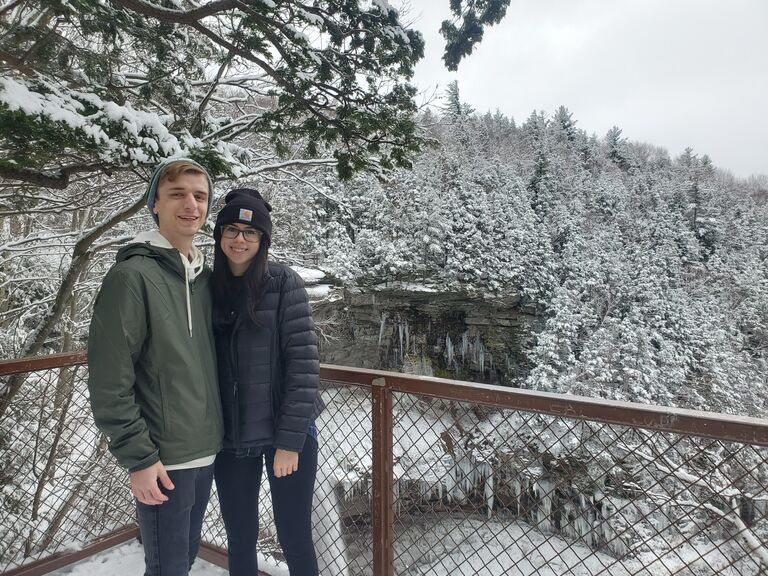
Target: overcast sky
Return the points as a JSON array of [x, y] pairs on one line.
[[674, 73]]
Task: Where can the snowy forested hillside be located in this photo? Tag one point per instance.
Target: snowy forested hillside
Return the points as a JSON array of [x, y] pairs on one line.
[[647, 273], [650, 271]]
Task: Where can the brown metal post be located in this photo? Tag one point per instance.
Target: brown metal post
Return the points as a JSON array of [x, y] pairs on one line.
[[383, 503]]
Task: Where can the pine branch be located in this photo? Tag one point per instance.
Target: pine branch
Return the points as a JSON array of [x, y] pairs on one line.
[[169, 15], [16, 63], [58, 181]]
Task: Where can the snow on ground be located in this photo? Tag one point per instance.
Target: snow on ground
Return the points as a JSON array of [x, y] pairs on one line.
[[460, 545], [407, 286], [312, 278], [448, 545], [319, 291], [456, 545], [128, 560], [309, 275]]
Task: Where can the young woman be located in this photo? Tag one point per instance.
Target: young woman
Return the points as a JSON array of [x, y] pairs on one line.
[[268, 379]]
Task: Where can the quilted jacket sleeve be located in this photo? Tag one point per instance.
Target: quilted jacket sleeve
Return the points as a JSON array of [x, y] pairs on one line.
[[300, 362]]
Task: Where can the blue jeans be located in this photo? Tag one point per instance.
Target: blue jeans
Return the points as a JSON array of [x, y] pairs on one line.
[[238, 479], [170, 532]]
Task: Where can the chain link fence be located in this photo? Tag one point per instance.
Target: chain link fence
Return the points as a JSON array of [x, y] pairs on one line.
[[60, 489], [478, 483], [483, 491]]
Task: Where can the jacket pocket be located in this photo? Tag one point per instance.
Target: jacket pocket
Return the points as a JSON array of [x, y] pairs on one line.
[[162, 390]]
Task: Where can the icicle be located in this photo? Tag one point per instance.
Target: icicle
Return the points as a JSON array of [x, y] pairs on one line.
[[598, 521], [543, 490], [517, 490], [464, 346], [482, 360], [488, 492], [566, 526], [407, 337], [606, 531], [450, 478], [400, 336], [619, 548], [449, 349], [381, 326], [581, 521], [425, 366], [470, 474]]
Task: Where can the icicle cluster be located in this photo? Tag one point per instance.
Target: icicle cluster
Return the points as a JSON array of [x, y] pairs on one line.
[[471, 351]]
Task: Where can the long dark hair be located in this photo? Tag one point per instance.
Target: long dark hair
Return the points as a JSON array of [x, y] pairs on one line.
[[225, 288]]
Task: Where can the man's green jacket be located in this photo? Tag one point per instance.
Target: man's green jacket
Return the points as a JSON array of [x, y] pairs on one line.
[[152, 360]]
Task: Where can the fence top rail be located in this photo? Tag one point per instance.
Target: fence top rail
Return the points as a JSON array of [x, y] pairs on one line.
[[725, 427], [743, 429], [35, 363]]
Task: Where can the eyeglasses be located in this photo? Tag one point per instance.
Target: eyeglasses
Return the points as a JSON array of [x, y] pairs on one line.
[[249, 234]]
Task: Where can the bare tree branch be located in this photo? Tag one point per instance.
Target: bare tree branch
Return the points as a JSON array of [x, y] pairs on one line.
[[81, 255]]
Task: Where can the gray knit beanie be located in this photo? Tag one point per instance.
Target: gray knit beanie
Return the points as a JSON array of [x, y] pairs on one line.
[[161, 168]]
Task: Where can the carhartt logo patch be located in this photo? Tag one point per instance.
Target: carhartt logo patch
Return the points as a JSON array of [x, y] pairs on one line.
[[246, 214]]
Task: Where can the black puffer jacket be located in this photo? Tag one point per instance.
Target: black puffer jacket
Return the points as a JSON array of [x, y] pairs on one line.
[[268, 370]]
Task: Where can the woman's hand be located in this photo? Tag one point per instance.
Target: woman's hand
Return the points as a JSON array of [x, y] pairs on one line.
[[286, 462]]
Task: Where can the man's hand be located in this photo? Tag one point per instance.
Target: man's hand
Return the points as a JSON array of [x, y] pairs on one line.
[[144, 484], [286, 462]]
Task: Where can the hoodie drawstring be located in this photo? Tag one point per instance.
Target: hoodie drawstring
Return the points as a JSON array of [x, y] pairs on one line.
[[189, 303], [191, 270]]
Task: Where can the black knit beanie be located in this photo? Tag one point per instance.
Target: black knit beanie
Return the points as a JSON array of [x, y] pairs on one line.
[[246, 206]]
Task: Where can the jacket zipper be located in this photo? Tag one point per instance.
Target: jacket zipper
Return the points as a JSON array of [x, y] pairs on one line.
[[234, 362]]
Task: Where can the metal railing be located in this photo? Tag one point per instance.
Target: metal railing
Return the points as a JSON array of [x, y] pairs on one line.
[[427, 476]]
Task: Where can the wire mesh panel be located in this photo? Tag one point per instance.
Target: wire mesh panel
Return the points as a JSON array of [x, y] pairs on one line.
[[477, 489], [59, 486], [487, 491], [343, 531]]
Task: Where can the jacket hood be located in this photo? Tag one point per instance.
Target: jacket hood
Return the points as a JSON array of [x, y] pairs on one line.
[[154, 245]]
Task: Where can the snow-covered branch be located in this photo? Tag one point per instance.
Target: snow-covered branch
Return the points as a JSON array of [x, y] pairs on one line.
[[280, 166]]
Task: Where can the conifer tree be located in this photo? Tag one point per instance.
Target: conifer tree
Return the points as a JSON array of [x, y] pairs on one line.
[[92, 86]]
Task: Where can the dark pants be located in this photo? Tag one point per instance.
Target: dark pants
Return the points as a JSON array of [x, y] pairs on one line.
[[238, 478], [170, 532]]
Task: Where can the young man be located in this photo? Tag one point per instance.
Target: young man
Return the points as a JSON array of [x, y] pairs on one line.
[[152, 369]]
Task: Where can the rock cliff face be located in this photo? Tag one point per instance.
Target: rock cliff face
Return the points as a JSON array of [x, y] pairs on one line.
[[450, 335]]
